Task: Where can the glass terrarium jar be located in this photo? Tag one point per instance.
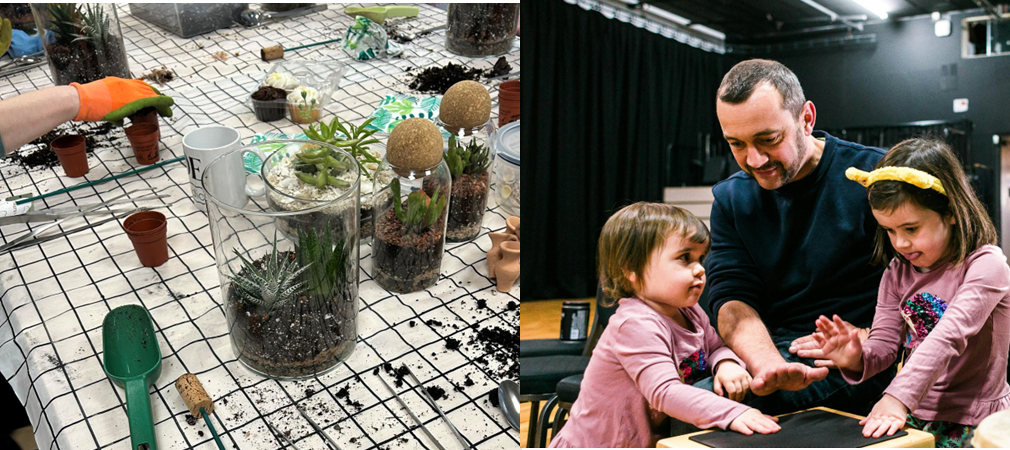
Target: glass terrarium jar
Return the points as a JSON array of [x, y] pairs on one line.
[[470, 157], [410, 209], [83, 41], [289, 279], [507, 182], [481, 29], [303, 175]]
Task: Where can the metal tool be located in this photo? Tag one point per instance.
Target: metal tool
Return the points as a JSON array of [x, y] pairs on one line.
[[252, 17], [37, 231], [24, 60], [132, 360], [78, 208], [508, 401], [410, 36], [16, 70], [507, 75], [412, 416], [424, 394], [281, 435], [317, 427], [45, 215], [100, 181]]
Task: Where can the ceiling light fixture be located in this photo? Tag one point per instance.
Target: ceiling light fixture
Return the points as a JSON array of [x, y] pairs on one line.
[[873, 6]]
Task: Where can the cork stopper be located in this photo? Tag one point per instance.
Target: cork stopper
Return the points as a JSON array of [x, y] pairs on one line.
[[192, 393], [414, 144], [271, 53], [465, 105]]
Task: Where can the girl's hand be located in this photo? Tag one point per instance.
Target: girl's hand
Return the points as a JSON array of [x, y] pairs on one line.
[[840, 343], [888, 415], [732, 378], [752, 420]]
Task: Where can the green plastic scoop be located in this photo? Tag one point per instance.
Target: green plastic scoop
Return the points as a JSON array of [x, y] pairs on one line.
[[133, 362], [378, 14]]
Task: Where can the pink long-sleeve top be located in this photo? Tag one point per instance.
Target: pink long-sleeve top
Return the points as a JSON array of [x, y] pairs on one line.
[[954, 322], [641, 371]]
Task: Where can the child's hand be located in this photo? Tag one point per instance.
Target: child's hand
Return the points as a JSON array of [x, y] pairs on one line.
[[732, 378], [888, 416], [752, 420], [839, 343]]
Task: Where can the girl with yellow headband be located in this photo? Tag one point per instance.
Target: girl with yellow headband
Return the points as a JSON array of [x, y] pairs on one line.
[[943, 304]]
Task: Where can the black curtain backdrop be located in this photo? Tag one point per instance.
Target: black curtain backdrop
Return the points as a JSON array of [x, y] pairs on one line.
[[616, 118]]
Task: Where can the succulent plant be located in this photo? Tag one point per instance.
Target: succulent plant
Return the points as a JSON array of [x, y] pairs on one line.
[[326, 259], [318, 166], [70, 23], [354, 139], [64, 20], [470, 159], [275, 282], [421, 211]]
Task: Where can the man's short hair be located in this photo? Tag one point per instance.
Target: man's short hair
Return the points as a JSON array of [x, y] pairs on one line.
[[739, 83]]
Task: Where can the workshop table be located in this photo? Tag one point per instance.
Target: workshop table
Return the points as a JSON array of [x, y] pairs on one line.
[[56, 294]]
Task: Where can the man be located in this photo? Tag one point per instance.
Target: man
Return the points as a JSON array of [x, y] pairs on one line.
[[791, 240]]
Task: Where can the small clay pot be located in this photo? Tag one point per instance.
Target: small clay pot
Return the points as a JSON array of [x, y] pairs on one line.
[[494, 255], [508, 102], [70, 150], [507, 270], [146, 115], [512, 225], [144, 140], [148, 230]]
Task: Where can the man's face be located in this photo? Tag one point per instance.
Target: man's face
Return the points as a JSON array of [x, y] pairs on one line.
[[767, 141]]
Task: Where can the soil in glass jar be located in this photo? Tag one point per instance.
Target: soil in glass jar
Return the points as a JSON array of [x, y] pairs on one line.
[[406, 262], [481, 29], [466, 206]]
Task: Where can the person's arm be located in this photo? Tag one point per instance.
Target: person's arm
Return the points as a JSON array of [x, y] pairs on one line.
[[26, 117]]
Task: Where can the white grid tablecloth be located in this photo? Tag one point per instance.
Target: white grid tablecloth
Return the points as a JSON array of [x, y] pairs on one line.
[[55, 295]]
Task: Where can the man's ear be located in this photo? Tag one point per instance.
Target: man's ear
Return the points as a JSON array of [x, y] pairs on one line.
[[808, 116]]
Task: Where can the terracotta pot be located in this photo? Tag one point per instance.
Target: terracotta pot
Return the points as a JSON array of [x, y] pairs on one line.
[[148, 230], [70, 150], [144, 140], [145, 117], [508, 268], [494, 255], [512, 225], [508, 102]]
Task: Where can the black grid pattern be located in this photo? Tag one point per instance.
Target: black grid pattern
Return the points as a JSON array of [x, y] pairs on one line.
[[55, 295]]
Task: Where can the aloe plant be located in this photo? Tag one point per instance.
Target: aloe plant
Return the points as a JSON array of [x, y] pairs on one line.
[[421, 211], [326, 260], [318, 166], [64, 21], [472, 159], [353, 139], [71, 24], [276, 282]]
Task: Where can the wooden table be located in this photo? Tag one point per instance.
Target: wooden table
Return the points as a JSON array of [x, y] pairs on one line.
[[914, 438]]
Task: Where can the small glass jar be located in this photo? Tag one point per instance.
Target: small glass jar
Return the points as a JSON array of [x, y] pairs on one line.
[[472, 184], [474, 29], [506, 168], [407, 257], [86, 43]]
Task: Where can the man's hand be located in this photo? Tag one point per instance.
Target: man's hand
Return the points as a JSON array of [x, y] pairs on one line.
[[807, 346], [732, 378], [114, 99], [786, 376], [840, 344], [752, 420], [887, 416]]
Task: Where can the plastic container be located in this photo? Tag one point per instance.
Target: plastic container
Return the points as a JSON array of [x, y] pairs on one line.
[[321, 76], [148, 230], [71, 150], [189, 19], [83, 60], [289, 279], [506, 170], [470, 189], [481, 29]]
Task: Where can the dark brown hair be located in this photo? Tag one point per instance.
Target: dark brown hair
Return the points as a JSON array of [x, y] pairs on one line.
[[739, 83], [633, 234], [972, 228]]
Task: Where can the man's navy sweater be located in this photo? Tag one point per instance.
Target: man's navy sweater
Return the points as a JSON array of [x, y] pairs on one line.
[[799, 251]]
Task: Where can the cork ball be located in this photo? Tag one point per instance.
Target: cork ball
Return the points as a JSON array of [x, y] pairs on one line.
[[465, 105], [414, 144]]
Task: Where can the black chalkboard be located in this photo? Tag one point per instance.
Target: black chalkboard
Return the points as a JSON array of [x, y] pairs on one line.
[[815, 428]]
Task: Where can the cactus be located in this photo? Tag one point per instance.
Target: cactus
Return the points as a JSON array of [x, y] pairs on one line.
[[472, 159], [319, 167], [355, 140], [273, 284], [421, 211]]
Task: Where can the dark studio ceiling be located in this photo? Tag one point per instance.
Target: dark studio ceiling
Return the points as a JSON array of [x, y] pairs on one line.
[[769, 21]]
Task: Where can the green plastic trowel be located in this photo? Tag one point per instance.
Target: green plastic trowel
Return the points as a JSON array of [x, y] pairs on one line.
[[379, 14], [133, 362]]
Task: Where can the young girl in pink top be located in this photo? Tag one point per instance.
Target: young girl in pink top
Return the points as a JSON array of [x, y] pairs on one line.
[[944, 300], [659, 341]]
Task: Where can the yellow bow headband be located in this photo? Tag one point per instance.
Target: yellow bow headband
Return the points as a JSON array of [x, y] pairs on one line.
[[915, 177]]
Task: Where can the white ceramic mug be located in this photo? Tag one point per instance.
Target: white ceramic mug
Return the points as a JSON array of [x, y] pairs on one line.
[[203, 145]]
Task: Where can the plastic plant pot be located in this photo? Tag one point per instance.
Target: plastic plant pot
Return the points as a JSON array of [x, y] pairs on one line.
[[144, 140], [70, 150], [148, 230], [508, 102]]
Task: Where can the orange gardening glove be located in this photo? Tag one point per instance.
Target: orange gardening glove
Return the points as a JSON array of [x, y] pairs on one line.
[[114, 99]]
